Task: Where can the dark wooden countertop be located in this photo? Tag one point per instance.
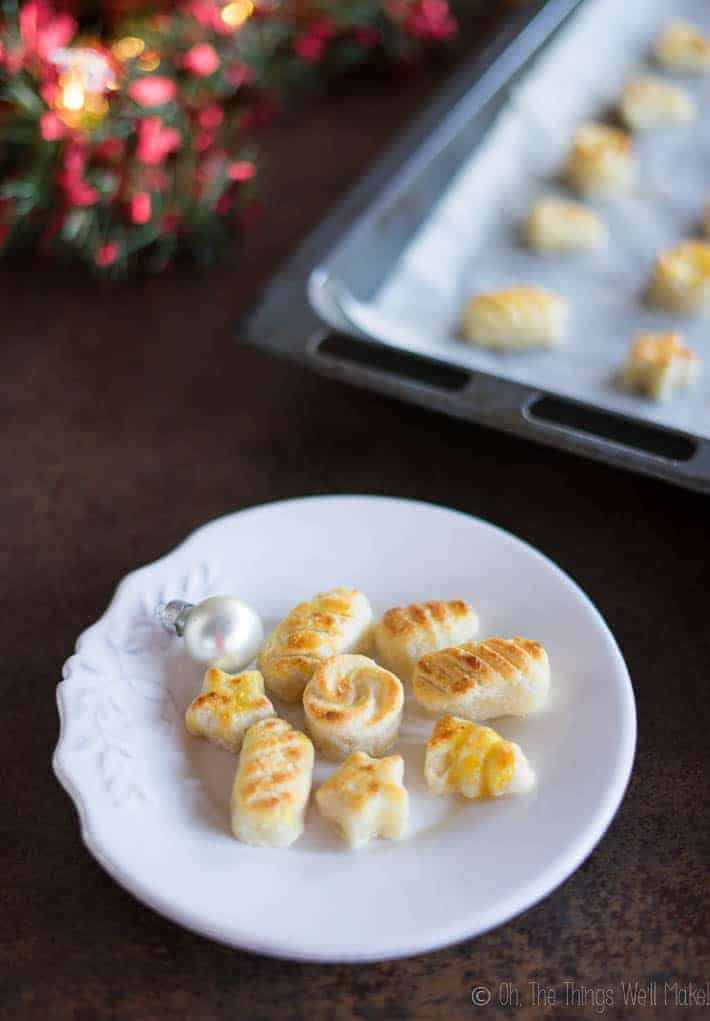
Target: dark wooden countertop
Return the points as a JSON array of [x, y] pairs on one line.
[[130, 416]]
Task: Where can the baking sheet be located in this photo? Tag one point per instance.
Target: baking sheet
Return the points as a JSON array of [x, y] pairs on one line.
[[470, 242]]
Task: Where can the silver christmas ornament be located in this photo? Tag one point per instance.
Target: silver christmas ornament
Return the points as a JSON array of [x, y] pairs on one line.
[[221, 631]]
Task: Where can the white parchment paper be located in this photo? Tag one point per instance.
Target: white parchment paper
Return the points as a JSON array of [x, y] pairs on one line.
[[470, 242]]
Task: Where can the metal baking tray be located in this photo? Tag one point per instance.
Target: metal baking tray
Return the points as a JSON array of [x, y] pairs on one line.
[[365, 234]]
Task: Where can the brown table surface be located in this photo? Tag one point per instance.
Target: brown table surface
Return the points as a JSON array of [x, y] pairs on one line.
[[131, 416]]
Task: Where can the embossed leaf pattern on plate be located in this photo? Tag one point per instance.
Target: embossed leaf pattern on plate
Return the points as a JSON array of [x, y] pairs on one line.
[[116, 689]]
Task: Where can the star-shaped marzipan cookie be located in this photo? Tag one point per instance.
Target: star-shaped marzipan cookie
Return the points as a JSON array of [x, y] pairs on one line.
[[366, 798], [227, 706]]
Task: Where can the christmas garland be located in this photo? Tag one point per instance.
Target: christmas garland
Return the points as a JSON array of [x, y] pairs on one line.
[[128, 134]]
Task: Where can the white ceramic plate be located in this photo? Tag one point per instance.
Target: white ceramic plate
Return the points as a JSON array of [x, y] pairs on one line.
[[153, 802]]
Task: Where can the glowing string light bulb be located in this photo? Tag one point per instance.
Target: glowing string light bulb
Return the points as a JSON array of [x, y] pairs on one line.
[[73, 96], [236, 12], [85, 74]]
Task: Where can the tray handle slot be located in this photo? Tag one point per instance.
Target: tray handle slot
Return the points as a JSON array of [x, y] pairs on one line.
[[607, 427], [401, 364]]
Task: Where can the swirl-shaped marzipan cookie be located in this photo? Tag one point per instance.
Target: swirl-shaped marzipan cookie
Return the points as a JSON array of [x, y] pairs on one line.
[[352, 704], [482, 680], [330, 623]]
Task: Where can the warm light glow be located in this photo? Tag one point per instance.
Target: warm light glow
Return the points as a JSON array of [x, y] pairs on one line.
[[149, 61], [86, 75], [77, 105], [128, 48], [73, 95], [236, 12]]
